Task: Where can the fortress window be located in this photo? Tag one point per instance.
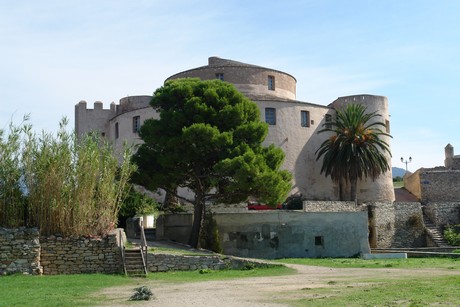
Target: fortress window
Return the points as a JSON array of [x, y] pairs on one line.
[[328, 120], [387, 126], [305, 118], [270, 116], [220, 76], [271, 83], [319, 241], [117, 132], [136, 124]]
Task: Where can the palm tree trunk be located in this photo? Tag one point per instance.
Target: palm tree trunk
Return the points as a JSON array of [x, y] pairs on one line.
[[353, 190]]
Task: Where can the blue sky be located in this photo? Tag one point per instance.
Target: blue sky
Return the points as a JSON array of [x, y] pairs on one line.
[[55, 53]]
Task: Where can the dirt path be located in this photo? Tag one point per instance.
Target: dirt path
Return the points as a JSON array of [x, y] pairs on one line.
[[259, 291]]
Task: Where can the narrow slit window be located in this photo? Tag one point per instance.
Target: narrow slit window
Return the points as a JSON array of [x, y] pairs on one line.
[[117, 131], [136, 124], [271, 83]]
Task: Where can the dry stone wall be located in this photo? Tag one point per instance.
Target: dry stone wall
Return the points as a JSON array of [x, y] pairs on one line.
[[443, 213], [394, 225], [332, 206], [19, 251], [171, 262], [22, 250], [75, 255]]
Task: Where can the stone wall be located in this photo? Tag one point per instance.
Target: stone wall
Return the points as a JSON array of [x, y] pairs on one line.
[[398, 224], [76, 255], [171, 262], [443, 213], [440, 185], [19, 251], [332, 206]]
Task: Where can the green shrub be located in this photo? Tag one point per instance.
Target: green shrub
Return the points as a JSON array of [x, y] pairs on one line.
[[209, 237], [136, 203], [452, 235], [141, 294], [294, 202]]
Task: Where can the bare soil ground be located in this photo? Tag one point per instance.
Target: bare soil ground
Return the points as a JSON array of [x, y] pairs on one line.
[[259, 291]]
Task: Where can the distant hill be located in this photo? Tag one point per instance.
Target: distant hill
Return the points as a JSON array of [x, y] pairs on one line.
[[398, 172]]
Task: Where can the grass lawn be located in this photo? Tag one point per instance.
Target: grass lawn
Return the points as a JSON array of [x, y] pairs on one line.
[[369, 290], [56, 290], [389, 291], [208, 275], [426, 291], [409, 263]]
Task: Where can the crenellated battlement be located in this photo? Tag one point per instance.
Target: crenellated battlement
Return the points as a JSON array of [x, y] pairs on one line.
[[96, 119]]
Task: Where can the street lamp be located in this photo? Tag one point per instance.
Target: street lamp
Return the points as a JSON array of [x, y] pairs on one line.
[[406, 162]]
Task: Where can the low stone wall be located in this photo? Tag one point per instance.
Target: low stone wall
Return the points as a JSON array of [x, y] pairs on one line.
[[443, 213], [19, 251], [332, 206], [398, 224], [76, 255], [171, 262]]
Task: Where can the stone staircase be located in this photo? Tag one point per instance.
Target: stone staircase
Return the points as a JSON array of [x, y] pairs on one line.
[[134, 263], [434, 232]]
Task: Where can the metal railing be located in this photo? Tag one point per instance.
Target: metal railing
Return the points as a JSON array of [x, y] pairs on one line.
[[144, 247], [122, 250]]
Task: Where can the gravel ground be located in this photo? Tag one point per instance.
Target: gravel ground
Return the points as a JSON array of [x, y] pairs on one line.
[[259, 291]]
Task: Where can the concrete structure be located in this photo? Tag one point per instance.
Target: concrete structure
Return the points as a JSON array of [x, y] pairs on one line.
[[293, 124], [280, 234]]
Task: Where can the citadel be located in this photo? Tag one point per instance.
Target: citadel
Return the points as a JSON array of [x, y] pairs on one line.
[[326, 227], [293, 124]]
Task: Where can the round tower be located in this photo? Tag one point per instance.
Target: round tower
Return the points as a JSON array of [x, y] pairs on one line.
[[381, 189], [253, 81]]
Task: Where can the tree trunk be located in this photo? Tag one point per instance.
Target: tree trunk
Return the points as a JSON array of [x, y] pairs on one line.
[[170, 200], [353, 190], [199, 209]]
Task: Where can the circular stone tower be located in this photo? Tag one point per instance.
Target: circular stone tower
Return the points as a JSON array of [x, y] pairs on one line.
[[255, 82], [381, 189]]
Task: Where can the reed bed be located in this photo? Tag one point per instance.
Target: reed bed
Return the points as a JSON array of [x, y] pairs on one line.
[[60, 183]]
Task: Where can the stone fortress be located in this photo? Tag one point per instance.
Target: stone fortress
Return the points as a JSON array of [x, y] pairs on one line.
[[325, 227], [293, 124]]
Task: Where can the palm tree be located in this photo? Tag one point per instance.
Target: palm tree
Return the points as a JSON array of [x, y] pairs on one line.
[[356, 149]]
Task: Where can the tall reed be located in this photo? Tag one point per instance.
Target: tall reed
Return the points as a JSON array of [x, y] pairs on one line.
[[69, 186]]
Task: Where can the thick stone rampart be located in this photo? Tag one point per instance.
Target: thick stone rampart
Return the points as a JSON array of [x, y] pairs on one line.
[[443, 213], [440, 185], [75, 255], [398, 224], [19, 251]]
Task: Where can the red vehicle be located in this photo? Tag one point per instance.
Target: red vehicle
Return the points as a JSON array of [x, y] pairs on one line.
[[257, 206]]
